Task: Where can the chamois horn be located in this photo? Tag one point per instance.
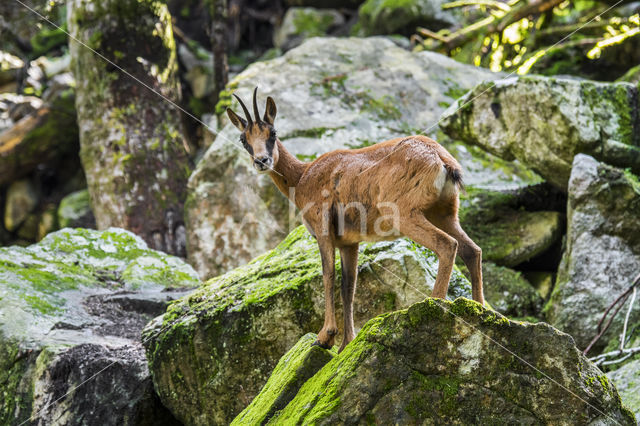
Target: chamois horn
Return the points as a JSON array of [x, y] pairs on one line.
[[246, 111], [256, 113]]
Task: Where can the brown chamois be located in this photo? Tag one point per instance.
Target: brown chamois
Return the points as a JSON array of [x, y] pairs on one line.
[[405, 186]]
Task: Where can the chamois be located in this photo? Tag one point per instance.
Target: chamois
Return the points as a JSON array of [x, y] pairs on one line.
[[405, 186]]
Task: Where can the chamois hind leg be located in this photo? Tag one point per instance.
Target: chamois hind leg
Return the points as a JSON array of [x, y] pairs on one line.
[[469, 251], [416, 226], [327, 334], [349, 262]]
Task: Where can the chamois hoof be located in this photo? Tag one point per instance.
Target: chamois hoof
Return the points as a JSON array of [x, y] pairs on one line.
[[322, 345]]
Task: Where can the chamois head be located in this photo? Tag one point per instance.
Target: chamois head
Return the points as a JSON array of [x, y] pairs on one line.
[[258, 136]]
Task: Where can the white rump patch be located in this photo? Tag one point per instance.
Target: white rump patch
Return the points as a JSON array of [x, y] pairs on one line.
[[440, 180]]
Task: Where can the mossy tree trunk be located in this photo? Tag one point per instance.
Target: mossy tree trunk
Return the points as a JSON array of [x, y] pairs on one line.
[[132, 148], [218, 10]]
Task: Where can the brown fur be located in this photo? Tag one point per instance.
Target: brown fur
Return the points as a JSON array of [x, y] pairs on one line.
[[414, 173]]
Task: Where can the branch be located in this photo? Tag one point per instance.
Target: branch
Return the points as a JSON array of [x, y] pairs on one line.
[[489, 3], [622, 297]]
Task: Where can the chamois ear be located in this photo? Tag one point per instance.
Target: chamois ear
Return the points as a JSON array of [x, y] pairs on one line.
[[271, 111], [237, 121]]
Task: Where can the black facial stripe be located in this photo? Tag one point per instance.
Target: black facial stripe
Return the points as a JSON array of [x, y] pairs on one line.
[[243, 139], [271, 142]]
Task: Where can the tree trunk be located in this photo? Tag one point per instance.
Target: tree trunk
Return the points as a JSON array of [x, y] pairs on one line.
[[218, 10], [132, 148]]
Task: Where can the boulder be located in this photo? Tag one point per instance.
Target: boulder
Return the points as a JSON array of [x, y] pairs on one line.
[[452, 363], [509, 293], [198, 62], [508, 234], [132, 149], [544, 122], [22, 198], [72, 307], [300, 23], [331, 94], [44, 134], [392, 16], [213, 350], [75, 211], [627, 381], [292, 371], [602, 253]]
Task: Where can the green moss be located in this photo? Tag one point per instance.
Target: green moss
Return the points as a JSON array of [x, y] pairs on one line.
[[48, 39], [292, 371], [313, 133], [225, 97], [311, 24]]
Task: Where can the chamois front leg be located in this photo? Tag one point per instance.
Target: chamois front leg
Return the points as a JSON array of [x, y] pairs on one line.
[[349, 262], [329, 330]]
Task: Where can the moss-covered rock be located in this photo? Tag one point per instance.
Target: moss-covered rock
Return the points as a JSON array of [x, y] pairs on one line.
[[74, 211], [456, 363], [10, 66], [508, 292], [72, 305], [300, 23], [544, 122], [602, 253], [292, 371], [508, 234], [332, 93], [403, 16], [132, 149], [627, 380], [213, 350]]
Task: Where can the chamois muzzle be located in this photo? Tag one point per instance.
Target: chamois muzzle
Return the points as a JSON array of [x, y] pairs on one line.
[[263, 164]]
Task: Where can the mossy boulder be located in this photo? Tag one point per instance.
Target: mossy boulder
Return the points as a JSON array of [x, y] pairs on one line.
[[455, 363], [73, 305], [131, 139], [213, 350], [507, 233], [300, 23], [74, 211], [509, 293], [602, 253], [544, 122], [627, 380], [403, 16], [292, 371], [10, 66], [331, 93]]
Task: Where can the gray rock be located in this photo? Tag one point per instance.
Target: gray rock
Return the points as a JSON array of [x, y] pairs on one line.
[[627, 381], [300, 23], [198, 62], [544, 122], [442, 362], [131, 140], [331, 94], [73, 306], [602, 253], [213, 350], [75, 211], [22, 198]]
